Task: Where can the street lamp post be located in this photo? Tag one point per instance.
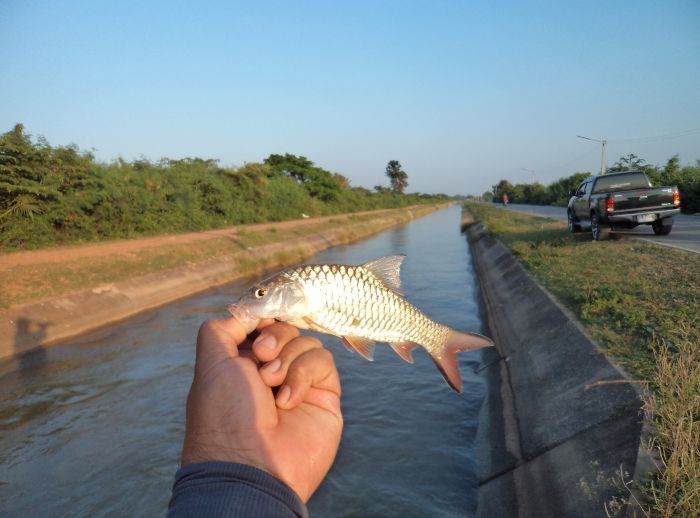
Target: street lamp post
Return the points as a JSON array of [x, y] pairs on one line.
[[603, 143], [533, 177]]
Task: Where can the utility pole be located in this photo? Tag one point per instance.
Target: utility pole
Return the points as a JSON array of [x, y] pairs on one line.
[[603, 143]]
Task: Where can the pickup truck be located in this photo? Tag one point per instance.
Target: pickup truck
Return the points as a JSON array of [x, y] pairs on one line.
[[622, 200]]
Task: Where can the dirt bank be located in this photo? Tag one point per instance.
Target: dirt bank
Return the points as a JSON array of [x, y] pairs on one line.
[[131, 246], [38, 324]]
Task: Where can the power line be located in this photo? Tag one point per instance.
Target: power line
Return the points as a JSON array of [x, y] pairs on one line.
[[667, 136], [579, 157]]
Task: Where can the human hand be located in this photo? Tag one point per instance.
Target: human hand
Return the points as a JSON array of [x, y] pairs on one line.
[[233, 415]]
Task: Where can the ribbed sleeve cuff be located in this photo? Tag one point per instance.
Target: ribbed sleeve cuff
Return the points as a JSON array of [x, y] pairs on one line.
[[225, 489]]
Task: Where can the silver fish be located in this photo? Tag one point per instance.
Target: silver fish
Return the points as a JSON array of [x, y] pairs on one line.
[[360, 304]]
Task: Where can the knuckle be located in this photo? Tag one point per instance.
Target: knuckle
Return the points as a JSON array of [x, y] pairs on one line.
[[299, 369], [313, 342], [326, 356], [285, 329]]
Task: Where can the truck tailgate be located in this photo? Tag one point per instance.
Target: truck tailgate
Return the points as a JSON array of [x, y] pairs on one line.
[[643, 199]]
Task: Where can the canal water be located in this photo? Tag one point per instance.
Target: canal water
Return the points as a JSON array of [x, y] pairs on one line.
[[94, 426]]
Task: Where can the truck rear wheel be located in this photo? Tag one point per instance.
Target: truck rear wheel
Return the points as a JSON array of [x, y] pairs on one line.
[[660, 229], [598, 232]]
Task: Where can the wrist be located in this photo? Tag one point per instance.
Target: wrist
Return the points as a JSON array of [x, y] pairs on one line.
[[196, 450]]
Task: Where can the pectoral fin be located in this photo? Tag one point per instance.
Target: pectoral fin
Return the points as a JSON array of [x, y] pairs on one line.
[[362, 345], [404, 349], [311, 325], [301, 323]]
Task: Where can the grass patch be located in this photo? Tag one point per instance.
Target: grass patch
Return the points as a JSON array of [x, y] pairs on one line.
[[640, 301], [675, 406]]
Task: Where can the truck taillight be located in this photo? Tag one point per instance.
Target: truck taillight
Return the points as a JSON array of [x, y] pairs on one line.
[[676, 197], [610, 204]]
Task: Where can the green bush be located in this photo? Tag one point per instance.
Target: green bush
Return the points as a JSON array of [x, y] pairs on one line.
[[58, 195]]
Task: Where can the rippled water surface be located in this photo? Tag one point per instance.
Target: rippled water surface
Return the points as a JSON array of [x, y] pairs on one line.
[[94, 426]]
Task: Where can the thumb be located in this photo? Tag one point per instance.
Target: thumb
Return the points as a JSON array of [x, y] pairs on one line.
[[217, 340]]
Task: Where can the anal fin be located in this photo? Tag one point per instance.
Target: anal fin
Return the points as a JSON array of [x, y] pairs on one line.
[[362, 345], [404, 349]]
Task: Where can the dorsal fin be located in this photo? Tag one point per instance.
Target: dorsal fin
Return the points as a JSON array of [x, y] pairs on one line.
[[362, 345], [388, 269]]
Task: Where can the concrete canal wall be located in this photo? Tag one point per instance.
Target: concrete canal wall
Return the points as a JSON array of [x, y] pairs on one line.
[[40, 324], [551, 442]]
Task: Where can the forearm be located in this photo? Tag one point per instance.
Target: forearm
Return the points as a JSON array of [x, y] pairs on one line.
[[222, 489]]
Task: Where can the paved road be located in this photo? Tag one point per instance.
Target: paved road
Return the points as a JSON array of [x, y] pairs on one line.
[[685, 233]]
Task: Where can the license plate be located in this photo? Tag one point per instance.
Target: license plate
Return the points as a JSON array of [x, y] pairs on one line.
[[643, 218]]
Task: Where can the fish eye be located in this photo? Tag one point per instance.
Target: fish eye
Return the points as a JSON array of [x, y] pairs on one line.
[[260, 293]]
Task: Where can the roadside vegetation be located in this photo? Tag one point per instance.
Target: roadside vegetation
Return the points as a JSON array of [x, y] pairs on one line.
[[687, 178], [640, 301], [61, 195]]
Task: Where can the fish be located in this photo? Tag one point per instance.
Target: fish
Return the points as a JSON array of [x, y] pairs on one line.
[[362, 304]]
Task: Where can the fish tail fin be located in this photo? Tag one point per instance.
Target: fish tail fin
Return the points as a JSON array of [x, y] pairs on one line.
[[446, 357]]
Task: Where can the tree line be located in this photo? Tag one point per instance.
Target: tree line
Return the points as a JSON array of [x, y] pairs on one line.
[[51, 195], [687, 178]]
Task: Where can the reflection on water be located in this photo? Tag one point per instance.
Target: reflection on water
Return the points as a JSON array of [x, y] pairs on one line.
[[95, 427]]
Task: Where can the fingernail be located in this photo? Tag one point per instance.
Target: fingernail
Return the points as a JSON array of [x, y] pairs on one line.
[[273, 366], [283, 395], [266, 342]]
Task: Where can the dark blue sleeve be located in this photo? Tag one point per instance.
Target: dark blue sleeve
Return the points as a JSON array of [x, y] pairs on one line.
[[225, 489]]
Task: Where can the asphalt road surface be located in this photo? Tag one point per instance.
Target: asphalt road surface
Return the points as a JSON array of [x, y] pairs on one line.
[[685, 234]]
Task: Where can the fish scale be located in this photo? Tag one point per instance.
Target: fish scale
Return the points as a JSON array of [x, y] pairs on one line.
[[356, 294], [361, 304]]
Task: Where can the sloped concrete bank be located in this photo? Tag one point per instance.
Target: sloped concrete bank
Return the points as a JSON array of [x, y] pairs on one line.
[[25, 328], [551, 442]]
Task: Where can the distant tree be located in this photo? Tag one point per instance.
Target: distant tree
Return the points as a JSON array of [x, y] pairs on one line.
[[535, 194], [672, 168], [290, 165], [343, 181], [558, 192], [318, 182], [689, 184], [501, 188], [29, 174], [628, 162], [397, 177]]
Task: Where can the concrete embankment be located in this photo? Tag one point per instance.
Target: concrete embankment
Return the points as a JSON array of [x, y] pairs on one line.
[[39, 324], [552, 441]]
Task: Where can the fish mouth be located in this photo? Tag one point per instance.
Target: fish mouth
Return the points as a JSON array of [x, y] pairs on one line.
[[238, 311]]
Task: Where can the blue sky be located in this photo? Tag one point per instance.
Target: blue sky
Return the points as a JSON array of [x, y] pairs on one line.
[[462, 93]]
